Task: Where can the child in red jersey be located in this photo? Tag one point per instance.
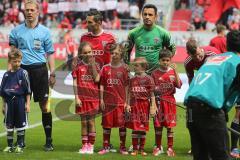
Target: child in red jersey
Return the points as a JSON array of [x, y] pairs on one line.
[[85, 78], [141, 88], [113, 88], [166, 81]]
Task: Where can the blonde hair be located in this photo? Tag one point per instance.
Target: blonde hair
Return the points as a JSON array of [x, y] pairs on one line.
[[32, 2], [142, 61]]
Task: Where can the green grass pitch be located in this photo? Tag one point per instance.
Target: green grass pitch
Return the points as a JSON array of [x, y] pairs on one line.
[[67, 136]]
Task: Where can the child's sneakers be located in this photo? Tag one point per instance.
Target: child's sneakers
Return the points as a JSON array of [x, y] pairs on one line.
[[112, 149], [143, 153], [157, 151], [90, 149], [18, 149], [123, 151], [235, 153], [104, 151], [8, 149], [130, 149], [170, 152], [134, 153], [84, 149]]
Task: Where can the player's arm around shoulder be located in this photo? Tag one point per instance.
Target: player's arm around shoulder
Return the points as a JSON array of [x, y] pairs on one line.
[[177, 78]]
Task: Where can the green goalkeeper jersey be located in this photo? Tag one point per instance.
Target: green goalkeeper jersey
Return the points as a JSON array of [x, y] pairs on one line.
[[148, 43]]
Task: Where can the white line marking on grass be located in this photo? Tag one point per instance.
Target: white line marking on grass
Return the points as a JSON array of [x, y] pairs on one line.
[[39, 124]]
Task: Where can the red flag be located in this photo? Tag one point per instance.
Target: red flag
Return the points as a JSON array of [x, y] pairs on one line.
[[214, 11], [231, 3]]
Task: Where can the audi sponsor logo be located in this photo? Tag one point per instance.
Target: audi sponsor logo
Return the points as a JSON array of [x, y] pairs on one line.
[[98, 52], [113, 81], [139, 89], [86, 78]]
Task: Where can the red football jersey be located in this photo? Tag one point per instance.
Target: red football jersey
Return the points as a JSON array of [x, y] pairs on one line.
[[165, 82], [141, 87], [87, 88], [191, 65], [220, 43], [99, 43], [114, 79]]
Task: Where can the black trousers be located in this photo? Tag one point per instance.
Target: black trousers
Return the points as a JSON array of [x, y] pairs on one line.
[[208, 132]]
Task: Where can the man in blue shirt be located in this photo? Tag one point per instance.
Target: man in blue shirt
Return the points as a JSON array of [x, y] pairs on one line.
[[35, 43], [212, 92]]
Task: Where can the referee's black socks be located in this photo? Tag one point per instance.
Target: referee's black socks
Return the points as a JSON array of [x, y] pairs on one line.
[[47, 124], [234, 137]]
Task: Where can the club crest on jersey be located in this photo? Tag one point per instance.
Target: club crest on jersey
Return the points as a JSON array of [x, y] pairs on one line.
[[104, 43], [156, 40], [142, 81], [119, 74], [172, 78]]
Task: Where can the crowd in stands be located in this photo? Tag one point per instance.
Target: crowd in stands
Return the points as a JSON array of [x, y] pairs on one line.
[[11, 14], [230, 18]]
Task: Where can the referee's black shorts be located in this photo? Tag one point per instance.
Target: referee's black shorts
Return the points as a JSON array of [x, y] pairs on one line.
[[38, 75]]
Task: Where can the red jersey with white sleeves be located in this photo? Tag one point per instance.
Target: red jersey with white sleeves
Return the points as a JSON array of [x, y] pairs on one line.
[[190, 65], [140, 87], [99, 42], [114, 79], [87, 88], [165, 82]]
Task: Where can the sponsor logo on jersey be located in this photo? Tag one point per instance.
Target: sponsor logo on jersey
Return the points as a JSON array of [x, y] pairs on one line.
[[98, 52], [164, 87], [146, 48], [139, 89], [113, 81], [86, 77]]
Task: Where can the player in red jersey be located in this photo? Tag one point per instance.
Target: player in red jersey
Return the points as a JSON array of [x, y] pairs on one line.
[[97, 37], [220, 41], [197, 56], [166, 81], [113, 88], [85, 78], [70, 48], [141, 88]]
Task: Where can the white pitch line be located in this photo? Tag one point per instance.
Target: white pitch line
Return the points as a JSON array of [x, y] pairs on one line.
[[39, 124]]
